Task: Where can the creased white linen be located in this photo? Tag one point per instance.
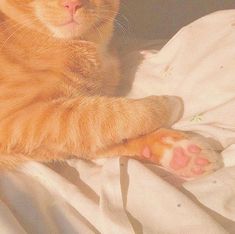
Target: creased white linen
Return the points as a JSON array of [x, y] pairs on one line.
[[116, 196]]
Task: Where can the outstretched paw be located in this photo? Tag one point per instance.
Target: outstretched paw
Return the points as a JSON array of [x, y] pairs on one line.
[[186, 155]]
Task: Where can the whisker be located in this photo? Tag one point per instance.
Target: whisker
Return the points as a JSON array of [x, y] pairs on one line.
[[121, 29], [21, 27], [15, 24]]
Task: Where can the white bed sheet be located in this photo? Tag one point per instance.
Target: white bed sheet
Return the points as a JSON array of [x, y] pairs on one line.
[[118, 196]]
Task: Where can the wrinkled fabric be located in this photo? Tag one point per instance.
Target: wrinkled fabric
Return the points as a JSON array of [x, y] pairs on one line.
[[117, 195]]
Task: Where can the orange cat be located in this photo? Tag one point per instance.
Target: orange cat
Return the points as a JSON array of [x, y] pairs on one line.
[[57, 85]]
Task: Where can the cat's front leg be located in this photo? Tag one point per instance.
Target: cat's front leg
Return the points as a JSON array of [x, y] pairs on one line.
[[80, 126], [186, 155]]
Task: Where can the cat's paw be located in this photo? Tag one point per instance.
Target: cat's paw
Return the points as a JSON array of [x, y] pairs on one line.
[[190, 158], [185, 155]]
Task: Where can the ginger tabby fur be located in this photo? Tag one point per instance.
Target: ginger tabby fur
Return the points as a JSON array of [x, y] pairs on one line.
[[58, 80]]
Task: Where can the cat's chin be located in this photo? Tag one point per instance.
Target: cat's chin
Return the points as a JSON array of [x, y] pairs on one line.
[[66, 31]]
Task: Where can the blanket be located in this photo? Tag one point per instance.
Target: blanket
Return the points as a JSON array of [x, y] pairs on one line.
[[124, 196]]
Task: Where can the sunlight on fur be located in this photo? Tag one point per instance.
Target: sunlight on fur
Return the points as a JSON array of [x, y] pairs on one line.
[[59, 77]]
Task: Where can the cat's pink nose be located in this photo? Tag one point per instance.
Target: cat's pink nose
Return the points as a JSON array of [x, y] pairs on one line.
[[72, 5]]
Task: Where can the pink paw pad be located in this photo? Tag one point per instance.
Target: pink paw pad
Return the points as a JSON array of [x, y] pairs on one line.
[[179, 159], [198, 171], [194, 149], [202, 161], [146, 152]]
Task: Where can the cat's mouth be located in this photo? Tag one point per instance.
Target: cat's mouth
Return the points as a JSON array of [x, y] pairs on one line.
[[70, 22], [69, 28]]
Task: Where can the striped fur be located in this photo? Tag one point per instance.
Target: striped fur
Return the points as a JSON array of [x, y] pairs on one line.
[[56, 92]]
